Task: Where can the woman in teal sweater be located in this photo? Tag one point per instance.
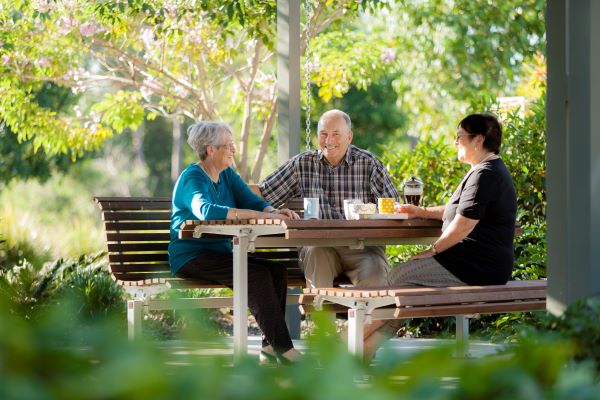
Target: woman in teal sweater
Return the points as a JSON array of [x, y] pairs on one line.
[[211, 190]]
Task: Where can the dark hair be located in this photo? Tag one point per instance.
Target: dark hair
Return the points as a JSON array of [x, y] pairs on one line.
[[486, 125]]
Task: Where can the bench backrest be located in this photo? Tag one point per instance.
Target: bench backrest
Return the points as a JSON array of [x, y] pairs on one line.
[[137, 238]]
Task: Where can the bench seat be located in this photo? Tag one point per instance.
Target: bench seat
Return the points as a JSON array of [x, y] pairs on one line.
[[137, 239], [365, 305]]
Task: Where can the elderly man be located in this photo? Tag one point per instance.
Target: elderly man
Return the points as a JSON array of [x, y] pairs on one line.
[[336, 171]]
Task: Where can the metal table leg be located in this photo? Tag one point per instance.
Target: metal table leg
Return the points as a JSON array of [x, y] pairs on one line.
[[240, 297]]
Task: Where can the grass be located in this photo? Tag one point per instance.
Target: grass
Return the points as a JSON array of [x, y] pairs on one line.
[[43, 222]]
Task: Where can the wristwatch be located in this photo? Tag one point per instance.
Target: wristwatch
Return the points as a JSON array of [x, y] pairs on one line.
[[433, 249]]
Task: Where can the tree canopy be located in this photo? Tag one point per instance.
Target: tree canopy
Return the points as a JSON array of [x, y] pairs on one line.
[[214, 60], [186, 59], [438, 55]]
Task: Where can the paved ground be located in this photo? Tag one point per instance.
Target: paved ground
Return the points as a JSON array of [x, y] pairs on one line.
[[192, 351]]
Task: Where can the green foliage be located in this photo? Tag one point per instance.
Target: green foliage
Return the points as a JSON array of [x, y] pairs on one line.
[[20, 160], [121, 110], [195, 59], [434, 162], [184, 324], [377, 123], [578, 324], [156, 149], [485, 42], [55, 219], [439, 54], [84, 280], [26, 287], [53, 358], [20, 112], [360, 64]]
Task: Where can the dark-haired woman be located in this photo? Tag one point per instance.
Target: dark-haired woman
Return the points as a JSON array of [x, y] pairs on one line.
[[476, 245]]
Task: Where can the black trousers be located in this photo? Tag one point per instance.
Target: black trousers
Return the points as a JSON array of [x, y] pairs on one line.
[[267, 291]]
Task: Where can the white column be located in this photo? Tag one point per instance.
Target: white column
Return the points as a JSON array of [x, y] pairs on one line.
[[573, 151], [288, 78]]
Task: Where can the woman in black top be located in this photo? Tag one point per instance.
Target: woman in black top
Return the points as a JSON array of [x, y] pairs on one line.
[[476, 245]]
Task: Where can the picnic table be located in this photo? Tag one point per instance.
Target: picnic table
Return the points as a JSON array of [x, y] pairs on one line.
[[249, 235]]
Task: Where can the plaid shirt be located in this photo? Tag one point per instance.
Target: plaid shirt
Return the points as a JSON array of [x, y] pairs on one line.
[[360, 175]]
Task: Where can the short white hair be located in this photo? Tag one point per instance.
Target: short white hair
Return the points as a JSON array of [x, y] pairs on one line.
[[205, 133], [338, 113]]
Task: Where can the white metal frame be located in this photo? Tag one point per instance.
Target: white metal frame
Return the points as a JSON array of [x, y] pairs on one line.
[[143, 302], [249, 237], [365, 310]]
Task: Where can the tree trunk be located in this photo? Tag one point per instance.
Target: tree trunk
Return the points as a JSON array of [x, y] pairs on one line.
[[266, 136], [176, 150], [137, 140], [243, 169]]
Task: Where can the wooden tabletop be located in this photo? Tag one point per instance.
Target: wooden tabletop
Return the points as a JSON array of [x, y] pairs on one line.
[[335, 228], [340, 228]]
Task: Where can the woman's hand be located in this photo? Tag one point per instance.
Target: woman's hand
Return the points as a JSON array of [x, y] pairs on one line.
[[458, 229], [424, 254], [410, 210]]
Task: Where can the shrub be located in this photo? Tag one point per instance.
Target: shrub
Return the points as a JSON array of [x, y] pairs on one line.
[[39, 360], [30, 289], [578, 324]]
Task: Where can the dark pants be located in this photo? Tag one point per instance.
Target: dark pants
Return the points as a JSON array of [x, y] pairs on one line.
[[267, 291]]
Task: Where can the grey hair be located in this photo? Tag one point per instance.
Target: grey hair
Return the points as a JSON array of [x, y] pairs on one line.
[[205, 133], [339, 113]]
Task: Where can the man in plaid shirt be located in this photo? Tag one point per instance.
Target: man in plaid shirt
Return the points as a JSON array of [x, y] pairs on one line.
[[334, 172]]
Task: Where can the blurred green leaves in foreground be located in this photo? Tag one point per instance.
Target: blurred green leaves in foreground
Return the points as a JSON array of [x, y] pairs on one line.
[[60, 353]]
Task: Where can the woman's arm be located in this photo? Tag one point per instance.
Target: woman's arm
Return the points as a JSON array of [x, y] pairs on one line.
[[267, 212], [436, 212], [459, 228]]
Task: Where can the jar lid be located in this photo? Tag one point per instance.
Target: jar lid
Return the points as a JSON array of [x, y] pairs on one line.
[[413, 182]]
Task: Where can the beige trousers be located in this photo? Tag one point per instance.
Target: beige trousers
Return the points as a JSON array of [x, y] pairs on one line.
[[366, 268]]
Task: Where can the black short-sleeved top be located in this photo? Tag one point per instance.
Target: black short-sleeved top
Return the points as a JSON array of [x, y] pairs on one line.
[[486, 255]]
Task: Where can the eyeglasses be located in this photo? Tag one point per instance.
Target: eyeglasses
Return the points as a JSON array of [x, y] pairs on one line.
[[464, 134], [230, 146]]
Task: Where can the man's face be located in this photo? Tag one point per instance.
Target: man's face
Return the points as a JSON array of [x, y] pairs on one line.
[[334, 138]]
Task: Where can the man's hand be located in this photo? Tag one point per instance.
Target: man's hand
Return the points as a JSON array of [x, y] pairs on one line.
[[286, 213]]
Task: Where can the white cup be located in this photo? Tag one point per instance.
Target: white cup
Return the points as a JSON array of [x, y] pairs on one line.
[[347, 209], [311, 208]]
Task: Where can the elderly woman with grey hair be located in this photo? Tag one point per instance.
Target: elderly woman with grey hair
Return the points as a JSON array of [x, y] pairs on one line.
[[211, 190]]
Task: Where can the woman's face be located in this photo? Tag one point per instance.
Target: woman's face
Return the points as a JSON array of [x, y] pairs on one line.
[[466, 142], [223, 156]]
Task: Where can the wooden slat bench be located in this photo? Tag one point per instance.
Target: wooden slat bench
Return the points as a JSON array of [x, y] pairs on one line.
[[137, 239], [420, 302]]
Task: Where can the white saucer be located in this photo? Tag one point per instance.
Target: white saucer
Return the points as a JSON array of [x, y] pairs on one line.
[[388, 216]]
